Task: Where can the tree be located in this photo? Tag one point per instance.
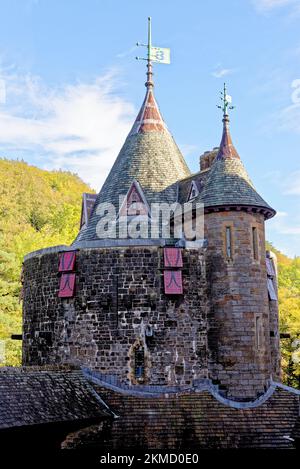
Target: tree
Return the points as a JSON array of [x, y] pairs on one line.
[[37, 209]]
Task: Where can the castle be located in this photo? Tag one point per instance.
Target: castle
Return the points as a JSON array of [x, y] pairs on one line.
[[175, 334]]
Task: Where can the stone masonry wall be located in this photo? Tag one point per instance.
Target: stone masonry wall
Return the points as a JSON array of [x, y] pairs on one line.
[[238, 322], [119, 292]]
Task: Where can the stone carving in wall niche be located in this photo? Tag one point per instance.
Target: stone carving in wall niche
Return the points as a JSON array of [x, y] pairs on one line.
[[152, 300], [139, 363]]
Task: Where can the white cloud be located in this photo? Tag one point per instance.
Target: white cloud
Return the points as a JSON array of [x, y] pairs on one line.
[[289, 118], [286, 224], [284, 231], [188, 149], [126, 53], [294, 52], [291, 184], [79, 127], [222, 72], [267, 5], [287, 184], [281, 214]]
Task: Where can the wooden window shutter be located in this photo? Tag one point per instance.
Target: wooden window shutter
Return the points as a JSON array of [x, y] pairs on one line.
[[173, 257], [67, 286], [67, 261], [271, 290], [270, 267], [173, 282]]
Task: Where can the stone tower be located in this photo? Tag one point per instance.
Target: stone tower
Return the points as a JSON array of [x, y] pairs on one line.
[[161, 311], [240, 360]]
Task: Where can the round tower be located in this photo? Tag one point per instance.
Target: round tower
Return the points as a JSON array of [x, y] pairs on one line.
[[132, 309], [240, 359]]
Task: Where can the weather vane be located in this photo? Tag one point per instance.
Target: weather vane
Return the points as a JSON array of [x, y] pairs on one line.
[[226, 102], [154, 54]]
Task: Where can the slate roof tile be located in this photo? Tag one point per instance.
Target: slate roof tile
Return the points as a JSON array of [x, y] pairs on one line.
[[195, 420], [228, 182], [36, 395]]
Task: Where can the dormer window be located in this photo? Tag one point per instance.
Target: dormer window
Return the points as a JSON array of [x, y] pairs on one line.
[[135, 202], [194, 191]]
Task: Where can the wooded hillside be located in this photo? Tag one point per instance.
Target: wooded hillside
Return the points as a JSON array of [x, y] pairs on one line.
[[38, 208]]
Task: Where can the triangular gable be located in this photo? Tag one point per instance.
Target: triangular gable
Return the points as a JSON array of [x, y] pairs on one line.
[[194, 191], [88, 201], [134, 203]]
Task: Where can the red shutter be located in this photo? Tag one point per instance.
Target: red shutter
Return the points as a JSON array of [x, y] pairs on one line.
[[173, 257], [67, 261], [173, 282], [67, 286]]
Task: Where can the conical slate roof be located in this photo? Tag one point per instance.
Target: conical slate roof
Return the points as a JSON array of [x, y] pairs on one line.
[[150, 156], [228, 183]]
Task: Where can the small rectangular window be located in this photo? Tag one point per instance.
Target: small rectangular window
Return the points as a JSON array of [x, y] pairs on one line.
[[258, 331], [228, 240], [139, 365], [254, 242]]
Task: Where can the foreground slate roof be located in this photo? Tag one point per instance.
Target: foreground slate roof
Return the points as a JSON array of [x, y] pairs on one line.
[[194, 419], [34, 396]]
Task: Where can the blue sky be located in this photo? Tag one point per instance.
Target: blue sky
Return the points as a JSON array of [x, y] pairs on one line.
[[70, 87]]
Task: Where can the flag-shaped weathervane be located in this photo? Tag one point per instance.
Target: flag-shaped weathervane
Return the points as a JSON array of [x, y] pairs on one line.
[[226, 102], [155, 54]]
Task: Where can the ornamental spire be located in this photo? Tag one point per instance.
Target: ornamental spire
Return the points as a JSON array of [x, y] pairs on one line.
[[226, 101], [149, 83], [154, 54], [226, 149], [149, 118]]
